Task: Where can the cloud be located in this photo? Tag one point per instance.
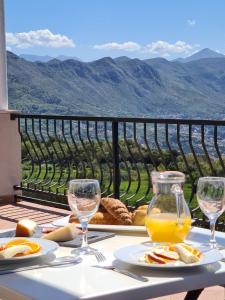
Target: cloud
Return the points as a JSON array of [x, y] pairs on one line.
[[127, 46], [42, 37], [164, 48], [191, 23], [161, 48]]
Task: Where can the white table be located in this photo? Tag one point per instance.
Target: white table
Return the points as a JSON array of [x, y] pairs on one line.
[[83, 281]]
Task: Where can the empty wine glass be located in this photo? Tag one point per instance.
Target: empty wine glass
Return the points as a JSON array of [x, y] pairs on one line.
[[84, 198], [211, 199]]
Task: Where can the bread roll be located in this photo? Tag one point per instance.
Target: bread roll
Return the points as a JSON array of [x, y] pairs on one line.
[[25, 228], [138, 217], [143, 207], [73, 219]]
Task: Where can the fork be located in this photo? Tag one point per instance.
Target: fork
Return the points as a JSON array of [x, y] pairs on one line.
[[99, 256], [101, 259]]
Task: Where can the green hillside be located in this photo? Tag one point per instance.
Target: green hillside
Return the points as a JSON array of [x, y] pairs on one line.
[[118, 87]]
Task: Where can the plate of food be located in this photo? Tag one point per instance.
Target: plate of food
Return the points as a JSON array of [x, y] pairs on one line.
[[171, 256], [112, 215], [13, 250], [101, 227]]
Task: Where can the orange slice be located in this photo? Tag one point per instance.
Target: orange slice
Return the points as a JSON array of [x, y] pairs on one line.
[[2, 247], [35, 247], [193, 250], [171, 248], [16, 242]]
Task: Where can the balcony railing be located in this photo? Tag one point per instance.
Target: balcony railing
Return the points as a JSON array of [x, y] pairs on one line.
[[120, 152]]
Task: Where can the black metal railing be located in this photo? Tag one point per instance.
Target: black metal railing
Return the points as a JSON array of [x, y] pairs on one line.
[[120, 152]]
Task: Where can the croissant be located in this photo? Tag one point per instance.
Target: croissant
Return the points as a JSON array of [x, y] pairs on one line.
[[117, 209], [104, 218]]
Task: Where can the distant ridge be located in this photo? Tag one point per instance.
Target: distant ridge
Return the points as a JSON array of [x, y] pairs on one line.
[[45, 58], [122, 58], [114, 87], [33, 58], [204, 53]]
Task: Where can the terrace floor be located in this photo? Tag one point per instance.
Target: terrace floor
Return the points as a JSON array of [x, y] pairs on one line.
[[10, 214]]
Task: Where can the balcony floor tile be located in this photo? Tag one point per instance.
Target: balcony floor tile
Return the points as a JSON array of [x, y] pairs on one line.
[[11, 213]]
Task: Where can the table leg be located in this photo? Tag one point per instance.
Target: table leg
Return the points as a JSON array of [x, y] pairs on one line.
[[193, 295]]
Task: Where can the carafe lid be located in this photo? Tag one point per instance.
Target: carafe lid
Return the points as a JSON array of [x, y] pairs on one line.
[[168, 177]]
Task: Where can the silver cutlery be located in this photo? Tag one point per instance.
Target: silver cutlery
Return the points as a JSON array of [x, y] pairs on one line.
[[101, 259], [99, 256], [60, 261], [123, 271]]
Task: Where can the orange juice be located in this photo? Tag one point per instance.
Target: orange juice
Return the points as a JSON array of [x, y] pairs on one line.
[[165, 227]]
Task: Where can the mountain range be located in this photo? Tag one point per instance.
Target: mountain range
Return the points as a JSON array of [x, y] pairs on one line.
[[204, 53], [46, 58], [120, 87]]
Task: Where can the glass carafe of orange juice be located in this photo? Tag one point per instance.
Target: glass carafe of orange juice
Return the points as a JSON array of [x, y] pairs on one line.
[[168, 218]]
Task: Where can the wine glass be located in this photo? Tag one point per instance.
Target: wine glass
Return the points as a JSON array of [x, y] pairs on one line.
[[84, 198], [211, 199]]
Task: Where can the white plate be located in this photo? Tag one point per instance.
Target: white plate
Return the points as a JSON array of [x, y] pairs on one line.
[[61, 222], [132, 254], [64, 221], [46, 248]]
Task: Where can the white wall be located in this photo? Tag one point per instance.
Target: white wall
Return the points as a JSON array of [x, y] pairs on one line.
[[10, 156], [3, 77]]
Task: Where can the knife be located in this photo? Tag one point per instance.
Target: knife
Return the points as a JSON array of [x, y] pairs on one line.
[[47, 265], [123, 271]]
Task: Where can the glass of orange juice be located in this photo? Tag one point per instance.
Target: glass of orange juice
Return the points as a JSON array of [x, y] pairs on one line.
[[168, 219]]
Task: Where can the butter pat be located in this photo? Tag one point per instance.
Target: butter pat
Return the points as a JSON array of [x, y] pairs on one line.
[[63, 234]]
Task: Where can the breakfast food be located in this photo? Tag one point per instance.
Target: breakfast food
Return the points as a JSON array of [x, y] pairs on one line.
[[166, 254], [114, 212], [117, 209], [73, 219], [138, 216], [63, 234], [172, 253], [185, 255], [18, 247], [25, 228], [100, 217], [13, 251], [143, 207], [104, 218]]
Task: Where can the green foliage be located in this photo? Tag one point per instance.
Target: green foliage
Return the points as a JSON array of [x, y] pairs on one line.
[[49, 168]]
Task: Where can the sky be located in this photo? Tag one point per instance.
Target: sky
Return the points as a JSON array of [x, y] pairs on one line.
[[91, 29]]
